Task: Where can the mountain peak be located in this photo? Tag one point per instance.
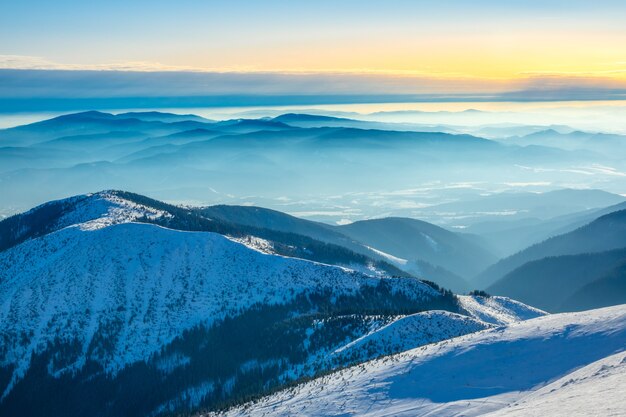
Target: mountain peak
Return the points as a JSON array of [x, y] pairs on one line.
[[86, 211]]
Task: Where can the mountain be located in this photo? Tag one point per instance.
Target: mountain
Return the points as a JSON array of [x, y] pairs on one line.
[[422, 261], [601, 142], [275, 220], [549, 283], [123, 305], [522, 206], [416, 240], [157, 116], [606, 233], [507, 131], [314, 120], [266, 159], [250, 125], [91, 142], [609, 289], [118, 207], [307, 120], [564, 364], [528, 231]]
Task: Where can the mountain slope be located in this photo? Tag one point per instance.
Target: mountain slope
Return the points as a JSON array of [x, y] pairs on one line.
[[275, 220], [417, 240], [408, 332], [597, 388], [530, 231], [490, 371], [609, 289], [115, 207], [606, 233], [547, 283], [507, 206]]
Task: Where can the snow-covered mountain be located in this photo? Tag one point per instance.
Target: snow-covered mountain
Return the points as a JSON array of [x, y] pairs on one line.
[[99, 300], [566, 364]]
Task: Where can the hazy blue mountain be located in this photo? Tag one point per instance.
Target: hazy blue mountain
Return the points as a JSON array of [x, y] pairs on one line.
[[275, 220], [249, 125], [435, 273], [266, 159], [523, 205], [549, 283], [91, 142], [528, 231], [157, 116], [415, 240], [609, 289], [14, 158], [507, 131], [601, 142], [88, 123], [605, 233], [314, 120]]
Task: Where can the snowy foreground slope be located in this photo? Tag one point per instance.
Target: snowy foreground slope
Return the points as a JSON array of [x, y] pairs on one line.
[[566, 364]]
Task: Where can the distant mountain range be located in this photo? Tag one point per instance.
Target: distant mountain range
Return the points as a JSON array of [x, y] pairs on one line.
[[600, 142], [268, 158]]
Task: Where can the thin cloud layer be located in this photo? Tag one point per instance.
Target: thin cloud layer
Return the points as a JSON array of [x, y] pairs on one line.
[[31, 83]]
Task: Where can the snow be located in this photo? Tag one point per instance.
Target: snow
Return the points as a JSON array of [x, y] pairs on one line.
[[498, 310], [411, 331], [104, 209], [142, 285], [596, 389], [255, 243], [431, 242], [559, 364], [393, 259]]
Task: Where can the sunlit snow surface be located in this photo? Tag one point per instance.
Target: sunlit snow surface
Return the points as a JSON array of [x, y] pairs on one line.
[[498, 310], [567, 364]]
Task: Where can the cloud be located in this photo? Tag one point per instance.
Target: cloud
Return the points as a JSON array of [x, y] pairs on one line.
[[34, 83], [589, 170], [24, 62]]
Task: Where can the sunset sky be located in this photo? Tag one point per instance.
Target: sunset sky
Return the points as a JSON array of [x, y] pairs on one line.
[[479, 45]]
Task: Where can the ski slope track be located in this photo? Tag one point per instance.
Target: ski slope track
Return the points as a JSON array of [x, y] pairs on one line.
[[557, 365]]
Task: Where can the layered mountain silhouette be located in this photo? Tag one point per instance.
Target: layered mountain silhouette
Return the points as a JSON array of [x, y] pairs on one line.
[[551, 271]]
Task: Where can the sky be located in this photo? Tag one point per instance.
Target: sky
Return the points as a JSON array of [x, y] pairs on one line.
[[415, 47]]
